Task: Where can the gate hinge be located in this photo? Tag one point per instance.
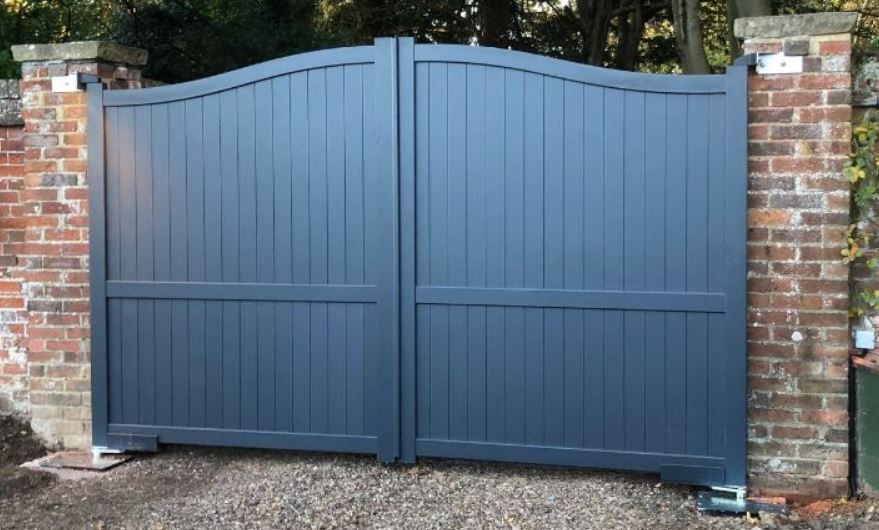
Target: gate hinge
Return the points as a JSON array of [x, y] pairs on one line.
[[734, 499]]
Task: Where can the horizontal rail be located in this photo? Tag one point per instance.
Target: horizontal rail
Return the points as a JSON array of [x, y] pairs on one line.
[[557, 298], [592, 75], [251, 438], [566, 456], [240, 77], [243, 291]]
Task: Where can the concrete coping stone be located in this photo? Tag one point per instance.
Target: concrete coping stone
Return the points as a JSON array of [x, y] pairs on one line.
[[101, 51], [808, 25]]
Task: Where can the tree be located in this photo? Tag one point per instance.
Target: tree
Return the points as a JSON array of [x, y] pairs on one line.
[[688, 36]]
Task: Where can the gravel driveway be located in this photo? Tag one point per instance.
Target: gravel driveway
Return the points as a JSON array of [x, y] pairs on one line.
[[216, 488]]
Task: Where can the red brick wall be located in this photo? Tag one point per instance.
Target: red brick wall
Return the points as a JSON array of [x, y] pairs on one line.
[[55, 253], [798, 342], [13, 359]]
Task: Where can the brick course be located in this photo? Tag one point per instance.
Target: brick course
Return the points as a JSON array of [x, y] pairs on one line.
[[13, 317], [47, 296], [798, 346]]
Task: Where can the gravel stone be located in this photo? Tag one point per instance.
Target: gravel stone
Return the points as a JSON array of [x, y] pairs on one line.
[[224, 488]]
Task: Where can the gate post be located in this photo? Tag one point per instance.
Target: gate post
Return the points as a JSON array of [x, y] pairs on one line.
[[798, 294], [53, 264]]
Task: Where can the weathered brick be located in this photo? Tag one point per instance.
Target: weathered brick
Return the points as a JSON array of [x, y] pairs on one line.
[[798, 287]]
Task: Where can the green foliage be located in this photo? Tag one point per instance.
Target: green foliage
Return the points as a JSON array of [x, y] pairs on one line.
[[39, 21], [863, 173], [189, 39]]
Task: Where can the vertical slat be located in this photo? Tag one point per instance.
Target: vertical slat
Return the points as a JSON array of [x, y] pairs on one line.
[[231, 333], [282, 189], [195, 239], [675, 279], [214, 363], [247, 248], [634, 243], [197, 372], [477, 399], [438, 208], [495, 341], [164, 366], [128, 262], [247, 255], [336, 256], [146, 369], [594, 350], [230, 185], [195, 190], [127, 195], [265, 192], [439, 371], [250, 392], [336, 372], [573, 127], [716, 382], [180, 362], [422, 372], [265, 344], [354, 388], [476, 170], [301, 366], [114, 361], [284, 372], [160, 154], [143, 183], [457, 247], [422, 173], [335, 175], [554, 274], [655, 263], [213, 203], [354, 252], [299, 150], [533, 152], [476, 250], [514, 248], [161, 198], [114, 239], [614, 268], [319, 350], [495, 120], [213, 189], [317, 174], [593, 262], [697, 273]]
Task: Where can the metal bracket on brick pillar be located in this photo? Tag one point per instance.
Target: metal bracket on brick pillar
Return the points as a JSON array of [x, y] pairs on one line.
[[73, 82], [779, 63]]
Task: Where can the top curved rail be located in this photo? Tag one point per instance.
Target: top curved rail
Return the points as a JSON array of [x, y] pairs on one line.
[[242, 76], [591, 75]]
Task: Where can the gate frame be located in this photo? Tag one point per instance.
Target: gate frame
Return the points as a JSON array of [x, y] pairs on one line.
[[394, 60]]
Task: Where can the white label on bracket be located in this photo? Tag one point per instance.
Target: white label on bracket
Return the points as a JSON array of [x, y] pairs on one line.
[[65, 83], [779, 63]]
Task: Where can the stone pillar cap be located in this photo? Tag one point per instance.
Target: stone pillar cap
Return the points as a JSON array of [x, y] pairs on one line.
[[808, 25], [98, 51]]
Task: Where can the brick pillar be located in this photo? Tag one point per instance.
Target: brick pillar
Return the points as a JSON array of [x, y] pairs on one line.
[[13, 362], [798, 293], [53, 263]]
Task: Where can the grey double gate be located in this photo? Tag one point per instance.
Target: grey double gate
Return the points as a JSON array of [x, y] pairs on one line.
[[425, 250]]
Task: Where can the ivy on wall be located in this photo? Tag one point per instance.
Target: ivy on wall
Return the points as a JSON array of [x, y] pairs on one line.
[[863, 174]]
